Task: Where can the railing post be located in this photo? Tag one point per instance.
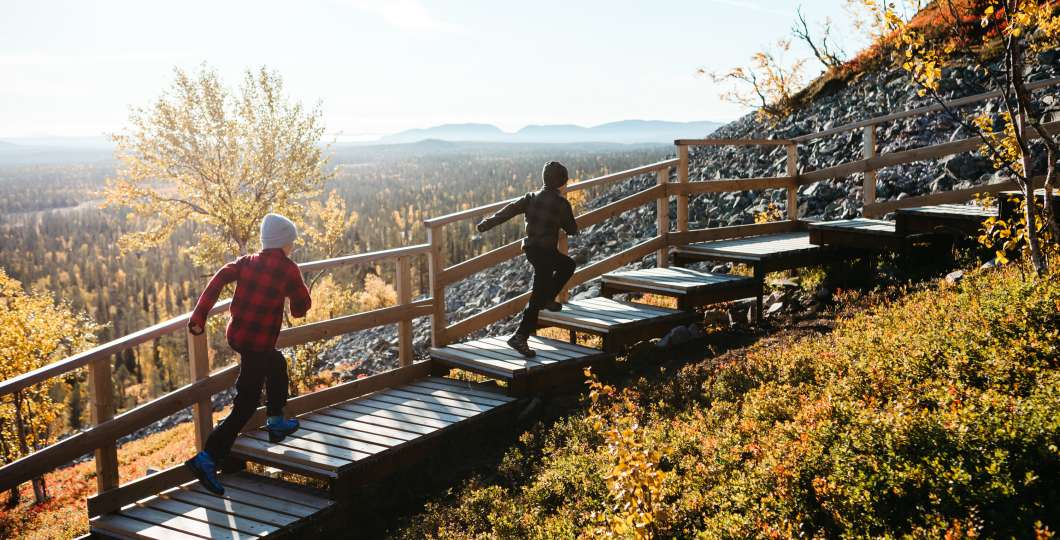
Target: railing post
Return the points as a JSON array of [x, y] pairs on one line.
[[662, 215], [682, 178], [202, 411], [101, 392], [868, 190], [793, 189], [435, 266], [404, 294]]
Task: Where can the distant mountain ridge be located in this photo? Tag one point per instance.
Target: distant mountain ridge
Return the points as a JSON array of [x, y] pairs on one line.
[[625, 131]]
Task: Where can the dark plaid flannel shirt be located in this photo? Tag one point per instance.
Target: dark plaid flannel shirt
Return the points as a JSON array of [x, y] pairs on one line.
[[263, 281], [547, 211]]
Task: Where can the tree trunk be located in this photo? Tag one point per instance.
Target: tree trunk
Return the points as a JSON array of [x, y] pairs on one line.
[[1015, 51]]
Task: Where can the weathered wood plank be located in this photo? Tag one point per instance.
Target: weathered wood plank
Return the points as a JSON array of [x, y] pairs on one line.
[[282, 453], [185, 525], [368, 414], [211, 516], [406, 409], [127, 527], [213, 502]]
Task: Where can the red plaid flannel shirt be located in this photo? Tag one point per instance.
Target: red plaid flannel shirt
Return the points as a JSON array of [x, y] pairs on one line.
[[263, 281]]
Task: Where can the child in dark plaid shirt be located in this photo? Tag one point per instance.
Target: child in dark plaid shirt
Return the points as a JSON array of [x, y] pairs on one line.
[[263, 281], [547, 211]]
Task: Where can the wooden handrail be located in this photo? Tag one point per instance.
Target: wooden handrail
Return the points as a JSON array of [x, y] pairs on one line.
[[903, 157], [732, 142], [733, 231], [79, 444], [591, 183], [296, 335], [918, 111], [179, 322], [747, 184]]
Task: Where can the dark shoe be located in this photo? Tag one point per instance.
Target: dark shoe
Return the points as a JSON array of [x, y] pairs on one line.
[[279, 429], [518, 343], [554, 306], [205, 470]]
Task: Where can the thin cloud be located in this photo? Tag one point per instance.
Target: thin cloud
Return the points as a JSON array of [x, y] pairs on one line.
[[404, 15], [41, 58]]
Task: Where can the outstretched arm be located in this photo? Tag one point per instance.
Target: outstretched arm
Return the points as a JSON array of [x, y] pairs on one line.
[[227, 274], [508, 212]]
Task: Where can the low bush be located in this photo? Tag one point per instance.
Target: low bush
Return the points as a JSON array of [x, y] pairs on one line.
[[927, 415]]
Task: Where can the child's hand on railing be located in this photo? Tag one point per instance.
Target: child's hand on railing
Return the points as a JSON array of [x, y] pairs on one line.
[[194, 329], [481, 226]]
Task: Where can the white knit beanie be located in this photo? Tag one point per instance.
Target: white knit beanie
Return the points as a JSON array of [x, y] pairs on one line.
[[277, 231]]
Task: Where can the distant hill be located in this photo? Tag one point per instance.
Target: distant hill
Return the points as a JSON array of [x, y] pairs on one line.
[[625, 132]]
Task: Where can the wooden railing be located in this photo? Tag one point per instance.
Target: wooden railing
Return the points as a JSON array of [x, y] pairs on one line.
[[108, 427]]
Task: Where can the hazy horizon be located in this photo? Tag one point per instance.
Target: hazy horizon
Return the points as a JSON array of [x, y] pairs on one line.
[[383, 66]]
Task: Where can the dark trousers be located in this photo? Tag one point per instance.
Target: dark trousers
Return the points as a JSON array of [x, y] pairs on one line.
[[256, 369], [552, 270]]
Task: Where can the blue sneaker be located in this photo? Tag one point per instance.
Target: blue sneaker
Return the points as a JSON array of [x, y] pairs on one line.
[[279, 428], [206, 471]]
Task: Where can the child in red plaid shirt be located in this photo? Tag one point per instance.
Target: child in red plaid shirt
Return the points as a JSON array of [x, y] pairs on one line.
[[264, 280]]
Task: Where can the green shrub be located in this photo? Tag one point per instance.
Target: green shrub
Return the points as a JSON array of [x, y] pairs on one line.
[[936, 414]]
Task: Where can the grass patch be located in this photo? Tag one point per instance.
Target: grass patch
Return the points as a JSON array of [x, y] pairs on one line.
[[928, 414]]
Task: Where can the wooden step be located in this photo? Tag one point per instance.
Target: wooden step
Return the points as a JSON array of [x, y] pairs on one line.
[[358, 433], [860, 233], [692, 288], [620, 324], [251, 507], [765, 253], [493, 357], [952, 219]]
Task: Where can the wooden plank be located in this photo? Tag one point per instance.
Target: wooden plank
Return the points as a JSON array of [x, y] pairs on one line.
[[219, 518], [498, 363], [793, 173], [279, 489], [454, 403], [942, 197], [364, 442], [436, 269], [353, 429], [101, 407], [109, 501], [654, 311], [404, 414], [282, 453], [452, 393], [662, 217], [184, 525], [731, 142], [365, 258], [222, 504], [494, 346], [464, 387], [425, 405], [258, 498], [874, 227], [479, 263], [404, 294], [317, 448], [127, 527], [202, 411], [345, 391], [682, 198], [624, 204], [733, 231], [618, 260], [868, 151], [476, 349], [485, 318]]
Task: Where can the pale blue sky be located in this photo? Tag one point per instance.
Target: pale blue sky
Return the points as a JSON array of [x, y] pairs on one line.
[[379, 66]]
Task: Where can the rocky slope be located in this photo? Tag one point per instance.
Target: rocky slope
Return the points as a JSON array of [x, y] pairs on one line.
[[872, 94]]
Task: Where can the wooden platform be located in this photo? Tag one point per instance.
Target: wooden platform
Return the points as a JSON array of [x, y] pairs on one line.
[[340, 440], [860, 233], [252, 507], [620, 324], [765, 253], [950, 219], [556, 364], [691, 288]]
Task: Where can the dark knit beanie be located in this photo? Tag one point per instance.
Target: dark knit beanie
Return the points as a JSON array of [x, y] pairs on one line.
[[554, 174]]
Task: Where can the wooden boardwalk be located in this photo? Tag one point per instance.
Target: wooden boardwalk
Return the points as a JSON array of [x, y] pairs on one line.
[[691, 288], [946, 219], [765, 253], [859, 233], [251, 507], [334, 441], [556, 362], [619, 324]]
